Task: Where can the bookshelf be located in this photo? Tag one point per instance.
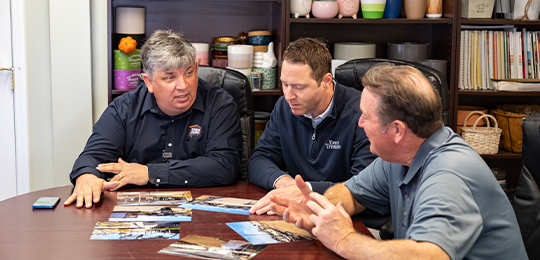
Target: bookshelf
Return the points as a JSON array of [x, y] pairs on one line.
[[204, 19]]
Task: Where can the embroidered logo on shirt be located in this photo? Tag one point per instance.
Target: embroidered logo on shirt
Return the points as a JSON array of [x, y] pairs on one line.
[[195, 130], [333, 145]]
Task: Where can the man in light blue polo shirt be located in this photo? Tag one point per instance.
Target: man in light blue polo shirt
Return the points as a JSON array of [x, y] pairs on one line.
[[444, 200]]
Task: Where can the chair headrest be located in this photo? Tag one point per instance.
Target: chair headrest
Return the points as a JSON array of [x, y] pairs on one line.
[[350, 74], [233, 82]]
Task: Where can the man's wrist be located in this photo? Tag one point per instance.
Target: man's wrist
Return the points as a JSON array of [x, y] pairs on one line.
[[283, 181]]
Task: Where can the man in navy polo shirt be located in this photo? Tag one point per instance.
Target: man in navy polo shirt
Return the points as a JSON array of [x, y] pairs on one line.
[[311, 131], [174, 131]]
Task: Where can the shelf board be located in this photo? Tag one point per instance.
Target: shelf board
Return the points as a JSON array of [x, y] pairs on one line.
[[499, 22], [372, 21], [272, 92], [497, 93], [120, 91], [502, 154]]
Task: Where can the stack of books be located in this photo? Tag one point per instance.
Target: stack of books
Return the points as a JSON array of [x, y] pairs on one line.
[[510, 53]]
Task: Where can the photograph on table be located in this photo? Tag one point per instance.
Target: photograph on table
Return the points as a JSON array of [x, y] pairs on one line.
[[136, 230], [212, 248], [270, 232], [221, 204], [153, 198], [150, 213]]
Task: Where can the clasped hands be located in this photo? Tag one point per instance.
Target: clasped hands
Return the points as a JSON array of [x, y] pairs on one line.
[[88, 187]]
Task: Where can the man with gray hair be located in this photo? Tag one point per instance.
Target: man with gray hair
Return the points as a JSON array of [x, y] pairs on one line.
[[174, 131], [444, 200]]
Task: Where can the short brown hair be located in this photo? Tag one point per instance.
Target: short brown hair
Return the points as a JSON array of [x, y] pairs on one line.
[[312, 52], [406, 95]]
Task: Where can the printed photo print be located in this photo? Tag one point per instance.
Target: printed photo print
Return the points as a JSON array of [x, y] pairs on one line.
[[212, 248], [221, 204], [135, 230], [270, 232]]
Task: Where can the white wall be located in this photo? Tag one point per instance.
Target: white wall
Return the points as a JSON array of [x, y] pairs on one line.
[[100, 62], [66, 41]]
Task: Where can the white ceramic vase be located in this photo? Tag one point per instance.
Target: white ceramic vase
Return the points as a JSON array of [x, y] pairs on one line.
[[533, 11], [300, 8]]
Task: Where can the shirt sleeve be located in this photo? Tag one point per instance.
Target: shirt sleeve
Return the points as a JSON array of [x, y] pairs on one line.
[[265, 165], [446, 215], [370, 187], [361, 158], [220, 163], [104, 145]]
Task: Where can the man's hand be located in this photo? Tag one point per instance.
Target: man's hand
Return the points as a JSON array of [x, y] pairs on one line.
[[333, 225], [126, 173], [295, 210], [264, 204], [88, 188]]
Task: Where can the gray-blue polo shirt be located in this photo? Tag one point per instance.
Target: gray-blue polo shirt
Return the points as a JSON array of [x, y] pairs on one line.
[[448, 197]]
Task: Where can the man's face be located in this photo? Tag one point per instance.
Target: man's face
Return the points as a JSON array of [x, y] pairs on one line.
[[381, 144], [175, 90], [301, 91]]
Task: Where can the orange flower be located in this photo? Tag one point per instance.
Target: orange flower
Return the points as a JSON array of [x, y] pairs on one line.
[[127, 45]]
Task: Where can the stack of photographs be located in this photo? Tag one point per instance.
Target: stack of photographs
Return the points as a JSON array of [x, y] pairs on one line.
[[270, 232], [221, 204], [153, 198], [135, 230], [212, 248]]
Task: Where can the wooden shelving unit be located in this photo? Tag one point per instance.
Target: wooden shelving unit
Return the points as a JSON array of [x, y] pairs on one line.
[[204, 19]]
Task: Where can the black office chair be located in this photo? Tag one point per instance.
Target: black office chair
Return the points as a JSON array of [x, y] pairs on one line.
[[527, 194], [350, 74], [238, 86]]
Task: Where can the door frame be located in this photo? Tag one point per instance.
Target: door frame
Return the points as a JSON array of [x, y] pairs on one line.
[[20, 98]]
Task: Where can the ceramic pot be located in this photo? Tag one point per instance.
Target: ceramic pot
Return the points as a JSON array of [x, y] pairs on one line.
[[300, 8], [373, 9], [434, 8], [415, 9], [392, 9], [348, 8], [324, 9]]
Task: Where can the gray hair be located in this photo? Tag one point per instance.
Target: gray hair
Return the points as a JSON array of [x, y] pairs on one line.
[[166, 50]]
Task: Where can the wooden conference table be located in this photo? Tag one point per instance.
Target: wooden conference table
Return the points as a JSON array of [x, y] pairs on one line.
[[64, 232]]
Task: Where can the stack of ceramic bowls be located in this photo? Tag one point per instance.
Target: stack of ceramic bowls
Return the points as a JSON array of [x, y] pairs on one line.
[[127, 67], [201, 52], [240, 57], [260, 41], [219, 50]]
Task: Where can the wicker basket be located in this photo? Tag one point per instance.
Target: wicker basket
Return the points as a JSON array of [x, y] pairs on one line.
[[484, 140], [512, 135]]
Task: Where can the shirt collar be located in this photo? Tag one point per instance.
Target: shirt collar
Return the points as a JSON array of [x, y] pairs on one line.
[[432, 142], [150, 103]]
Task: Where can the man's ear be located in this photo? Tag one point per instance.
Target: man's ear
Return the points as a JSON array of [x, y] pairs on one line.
[[148, 82], [327, 79], [398, 128]]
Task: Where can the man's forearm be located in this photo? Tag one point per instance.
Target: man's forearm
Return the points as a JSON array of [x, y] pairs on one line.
[[340, 192], [358, 246]]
